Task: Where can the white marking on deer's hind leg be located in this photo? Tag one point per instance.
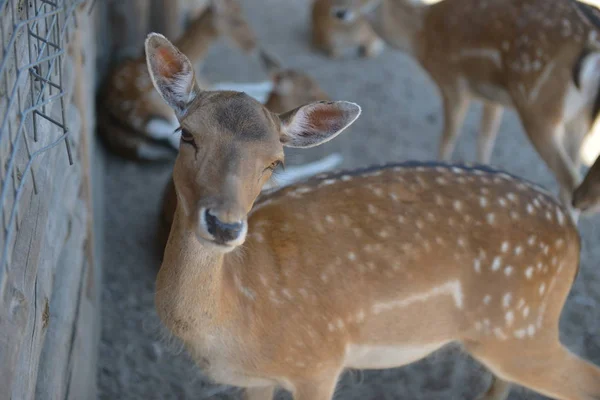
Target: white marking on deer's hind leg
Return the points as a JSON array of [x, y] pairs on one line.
[[540, 82], [489, 54], [451, 288]]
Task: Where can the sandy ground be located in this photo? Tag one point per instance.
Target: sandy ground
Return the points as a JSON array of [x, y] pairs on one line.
[[401, 120]]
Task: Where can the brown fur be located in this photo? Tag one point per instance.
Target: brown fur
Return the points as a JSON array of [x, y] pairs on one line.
[[512, 53], [336, 37], [127, 97], [364, 269]]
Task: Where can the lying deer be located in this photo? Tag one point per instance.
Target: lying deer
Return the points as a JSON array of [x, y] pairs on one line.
[[133, 120], [540, 57], [366, 269], [339, 31], [291, 87]]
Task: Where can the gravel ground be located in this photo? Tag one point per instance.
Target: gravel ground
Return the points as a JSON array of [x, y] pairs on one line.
[[401, 120]]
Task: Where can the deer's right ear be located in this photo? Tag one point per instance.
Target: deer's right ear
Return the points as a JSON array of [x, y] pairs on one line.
[[172, 73]]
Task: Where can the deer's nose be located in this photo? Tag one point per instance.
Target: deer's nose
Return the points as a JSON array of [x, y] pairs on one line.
[[223, 232], [341, 14]]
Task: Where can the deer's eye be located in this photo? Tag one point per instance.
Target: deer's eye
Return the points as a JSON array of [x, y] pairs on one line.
[[187, 137], [274, 165]]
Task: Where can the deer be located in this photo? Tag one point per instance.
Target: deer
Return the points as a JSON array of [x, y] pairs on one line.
[[371, 268], [540, 58], [133, 120], [338, 31], [291, 87]]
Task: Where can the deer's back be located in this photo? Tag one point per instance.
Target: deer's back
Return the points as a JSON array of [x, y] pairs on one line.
[[514, 38], [373, 232]]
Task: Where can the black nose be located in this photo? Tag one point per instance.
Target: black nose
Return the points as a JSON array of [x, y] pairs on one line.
[[340, 14], [222, 232]]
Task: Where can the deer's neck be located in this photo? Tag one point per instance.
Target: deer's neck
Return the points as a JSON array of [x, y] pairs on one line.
[[405, 20], [198, 37], [189, 285]]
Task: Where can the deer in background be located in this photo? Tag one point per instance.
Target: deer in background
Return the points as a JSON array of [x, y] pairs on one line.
[[338, 31], [291, 87], [132, 118], [540, 57], [353, 269]]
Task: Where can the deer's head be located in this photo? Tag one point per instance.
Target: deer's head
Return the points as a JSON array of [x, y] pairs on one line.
[[230, 144], [229, 21], [291, 88]]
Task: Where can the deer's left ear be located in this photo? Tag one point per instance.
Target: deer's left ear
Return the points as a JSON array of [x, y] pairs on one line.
[[316, 123], [172, 73]]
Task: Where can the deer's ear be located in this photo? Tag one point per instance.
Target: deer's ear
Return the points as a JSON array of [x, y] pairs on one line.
[[316, 123], [270, 63], [172, 73]]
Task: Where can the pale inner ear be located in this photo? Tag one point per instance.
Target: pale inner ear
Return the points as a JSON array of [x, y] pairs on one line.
[[171, 72], [168, 65], [179, 78], [317, 123]]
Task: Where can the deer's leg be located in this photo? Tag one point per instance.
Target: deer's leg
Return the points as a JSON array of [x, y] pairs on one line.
[[547, 138], [547, 368], [456, 103], [498, 390], [316, 390], [576, 132], [259, 393], [490, 123]]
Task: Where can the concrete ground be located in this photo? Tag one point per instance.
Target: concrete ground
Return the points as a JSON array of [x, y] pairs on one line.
[[401, 120]]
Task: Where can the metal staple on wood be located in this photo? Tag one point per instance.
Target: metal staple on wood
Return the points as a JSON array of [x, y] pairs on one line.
[[34, 35]]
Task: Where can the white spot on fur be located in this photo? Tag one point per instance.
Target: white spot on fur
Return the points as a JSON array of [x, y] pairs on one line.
[[509, 318], [490, 218], [526, 312], [457, 205], [508, 270], [452, 288], [560, 217], [518, 250], [529, 272], [500, 334], [286, 292], [496, 264], [477, 265], [351, 256], [505, 246], [506, 300], [520, 334], [487, 299], [483, 201], [542, 289]]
